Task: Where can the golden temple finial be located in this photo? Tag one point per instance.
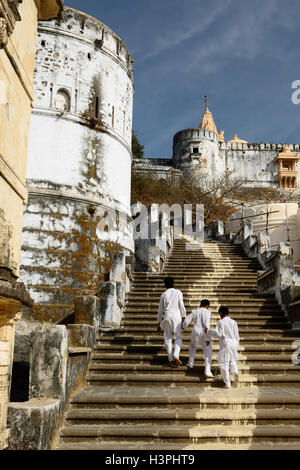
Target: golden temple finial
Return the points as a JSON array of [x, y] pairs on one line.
[[237, 139], [208, 122]]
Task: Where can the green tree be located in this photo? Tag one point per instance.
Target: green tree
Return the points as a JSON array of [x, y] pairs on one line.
[[137, 148]]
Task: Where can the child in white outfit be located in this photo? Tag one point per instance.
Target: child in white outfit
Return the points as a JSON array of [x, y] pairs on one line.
[[228, 334], [201, 319]]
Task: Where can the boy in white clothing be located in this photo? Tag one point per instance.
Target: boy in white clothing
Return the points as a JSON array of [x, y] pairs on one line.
[[171, 304], [201, 319], [228, 334]]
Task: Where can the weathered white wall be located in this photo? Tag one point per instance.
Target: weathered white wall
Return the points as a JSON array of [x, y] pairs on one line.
[[253, 163], [79, 164], [207, 158]]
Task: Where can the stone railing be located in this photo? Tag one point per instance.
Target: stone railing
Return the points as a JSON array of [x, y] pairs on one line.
[[278, 275], [59, 359]]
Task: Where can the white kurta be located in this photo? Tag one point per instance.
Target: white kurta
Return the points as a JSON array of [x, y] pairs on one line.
[[228, 334], [171, 304], [201, 319]]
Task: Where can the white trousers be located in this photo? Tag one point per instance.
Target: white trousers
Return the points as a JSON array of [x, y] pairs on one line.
[[226, 368], [169, 336], [207, 350]]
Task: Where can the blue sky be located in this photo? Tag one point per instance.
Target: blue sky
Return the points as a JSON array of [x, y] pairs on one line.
[[244, 55]]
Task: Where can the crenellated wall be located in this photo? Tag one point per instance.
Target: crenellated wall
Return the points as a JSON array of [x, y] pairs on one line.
[[198, 151]]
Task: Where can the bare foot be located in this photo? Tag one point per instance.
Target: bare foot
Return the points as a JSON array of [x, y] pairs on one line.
[[178, 361]]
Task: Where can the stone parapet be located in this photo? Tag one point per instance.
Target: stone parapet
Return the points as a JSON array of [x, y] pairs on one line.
[[59, 361], [278, 275]]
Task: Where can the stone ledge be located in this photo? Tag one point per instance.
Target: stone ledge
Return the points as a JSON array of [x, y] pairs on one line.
[[16, 291], [24, 435], [73, 351]]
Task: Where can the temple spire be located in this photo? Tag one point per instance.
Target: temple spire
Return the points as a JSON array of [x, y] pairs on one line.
[[208, 122]]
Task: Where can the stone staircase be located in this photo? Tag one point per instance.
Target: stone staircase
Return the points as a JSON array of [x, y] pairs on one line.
[[134, 401]]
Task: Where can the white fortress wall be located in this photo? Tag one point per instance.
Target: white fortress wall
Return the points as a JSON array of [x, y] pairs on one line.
[[79, 167]]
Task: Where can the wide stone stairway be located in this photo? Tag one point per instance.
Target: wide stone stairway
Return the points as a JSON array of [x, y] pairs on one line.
[[133, 400]]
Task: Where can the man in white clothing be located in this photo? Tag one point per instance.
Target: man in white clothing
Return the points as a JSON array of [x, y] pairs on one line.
[[201, 319], [228, 334], [171, 304]]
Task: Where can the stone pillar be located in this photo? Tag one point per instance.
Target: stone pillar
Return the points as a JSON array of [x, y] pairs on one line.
[[49, 354], [8, 316], [12, 295], [87, 310]]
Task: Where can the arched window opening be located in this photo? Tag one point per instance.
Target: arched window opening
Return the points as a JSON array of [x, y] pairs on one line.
[[62, 100]]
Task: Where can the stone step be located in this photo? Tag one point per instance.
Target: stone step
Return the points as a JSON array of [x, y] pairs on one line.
[[210, 264], [196, 396], [212, 287], [245, 313], [243, 327], [253, 316], [246, 350], [208, 250], [172, 380], [160, 360], [181, 416], [214, 302], [192, 293], [183, 433], [191, 283], [151, 347], [251, 322], [153, 299], [240, 315], [237, 306], [133, 368], [133, 399], [179, 275], [266, 341], [157, 446], [158, 353], [186, 334], [215, 272]]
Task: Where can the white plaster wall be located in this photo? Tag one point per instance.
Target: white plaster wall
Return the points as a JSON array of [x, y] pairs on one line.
[[281, 216], [62, 152], [253, 163], [207, 142], [78, 160]]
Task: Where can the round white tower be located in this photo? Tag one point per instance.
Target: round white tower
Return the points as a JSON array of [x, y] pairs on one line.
[[79, 165], [196, 151]]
